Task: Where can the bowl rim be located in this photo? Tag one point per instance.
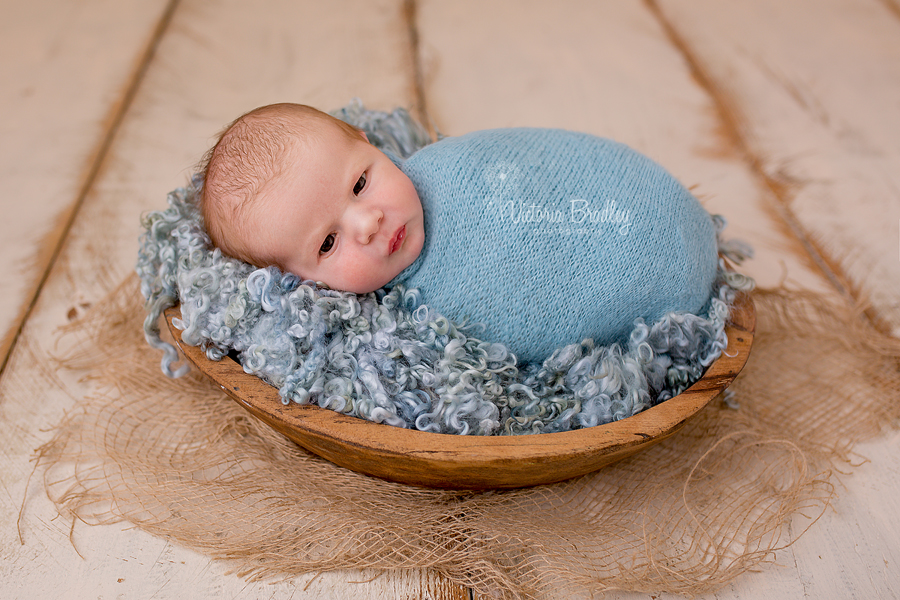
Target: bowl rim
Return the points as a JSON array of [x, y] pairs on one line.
[[467, 461]]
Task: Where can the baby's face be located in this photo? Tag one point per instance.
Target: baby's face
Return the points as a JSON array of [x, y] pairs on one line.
[[340, 212]]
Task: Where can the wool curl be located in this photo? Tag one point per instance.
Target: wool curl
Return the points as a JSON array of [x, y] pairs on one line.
[[387, 356]]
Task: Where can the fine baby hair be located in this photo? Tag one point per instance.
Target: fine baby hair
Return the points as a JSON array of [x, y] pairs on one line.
[[389, 356]]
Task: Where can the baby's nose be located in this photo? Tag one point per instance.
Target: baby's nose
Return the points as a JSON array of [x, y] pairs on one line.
[[368, 221]]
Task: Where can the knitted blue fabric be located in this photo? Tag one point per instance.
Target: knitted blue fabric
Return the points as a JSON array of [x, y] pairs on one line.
[[548, 237]]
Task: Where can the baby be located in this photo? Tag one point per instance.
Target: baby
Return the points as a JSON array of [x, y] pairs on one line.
[[546, 237], [288, 185]]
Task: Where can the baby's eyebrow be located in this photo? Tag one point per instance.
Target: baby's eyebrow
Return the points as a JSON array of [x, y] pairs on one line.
[[313, 242]]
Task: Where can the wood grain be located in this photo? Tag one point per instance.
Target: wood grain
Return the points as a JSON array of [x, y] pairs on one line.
[[61, 94]]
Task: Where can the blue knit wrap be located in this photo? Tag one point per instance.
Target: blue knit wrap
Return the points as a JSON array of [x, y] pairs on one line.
[[390, 357], [548, 237]]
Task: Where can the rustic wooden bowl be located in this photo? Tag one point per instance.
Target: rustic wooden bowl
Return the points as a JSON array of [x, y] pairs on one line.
[[474, 462]]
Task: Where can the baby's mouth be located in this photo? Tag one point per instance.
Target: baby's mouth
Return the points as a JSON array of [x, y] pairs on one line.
[[397, 240]]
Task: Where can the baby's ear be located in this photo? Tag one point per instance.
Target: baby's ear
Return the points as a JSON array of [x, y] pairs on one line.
[[363, 134]]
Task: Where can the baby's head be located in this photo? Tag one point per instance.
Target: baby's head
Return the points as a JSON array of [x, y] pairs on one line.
[[291, 186]]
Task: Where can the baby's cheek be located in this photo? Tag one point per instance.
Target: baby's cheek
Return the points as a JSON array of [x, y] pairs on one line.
[[361, 277]]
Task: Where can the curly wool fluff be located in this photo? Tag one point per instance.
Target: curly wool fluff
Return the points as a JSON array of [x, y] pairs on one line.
[[389, 358]]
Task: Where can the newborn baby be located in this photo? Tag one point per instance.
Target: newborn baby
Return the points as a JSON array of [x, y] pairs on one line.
[[546, 237], [288, 185]]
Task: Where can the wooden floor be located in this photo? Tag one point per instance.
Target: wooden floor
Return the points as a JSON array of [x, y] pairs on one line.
[[784, 115]]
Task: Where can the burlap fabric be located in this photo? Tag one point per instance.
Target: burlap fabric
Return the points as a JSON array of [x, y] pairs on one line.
[[179, 459]]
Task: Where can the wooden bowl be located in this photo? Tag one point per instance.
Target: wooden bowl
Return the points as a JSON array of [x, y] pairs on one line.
[[468, 461]]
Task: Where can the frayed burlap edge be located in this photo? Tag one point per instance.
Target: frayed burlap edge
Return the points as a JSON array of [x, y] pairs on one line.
[[179, 459]]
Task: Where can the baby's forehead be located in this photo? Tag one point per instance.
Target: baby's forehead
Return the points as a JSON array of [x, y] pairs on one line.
[[264, 149], [252, 151]]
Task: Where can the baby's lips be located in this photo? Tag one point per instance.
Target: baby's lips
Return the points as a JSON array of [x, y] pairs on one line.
[[397, 240]]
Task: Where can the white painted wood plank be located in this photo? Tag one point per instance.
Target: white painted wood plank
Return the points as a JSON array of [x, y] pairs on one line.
[[60, 87], [815, 89], [217, 59]]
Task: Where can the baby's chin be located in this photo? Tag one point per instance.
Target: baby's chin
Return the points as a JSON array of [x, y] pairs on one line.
[[373, 284], [365, 286], [379, 283]]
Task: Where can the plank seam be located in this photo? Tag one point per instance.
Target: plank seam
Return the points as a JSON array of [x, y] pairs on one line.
[[119, 111], [892, 7], [730, 120], [410, 16]]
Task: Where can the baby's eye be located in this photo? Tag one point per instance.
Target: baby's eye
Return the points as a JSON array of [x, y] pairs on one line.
[[327, 245], [360, 184]]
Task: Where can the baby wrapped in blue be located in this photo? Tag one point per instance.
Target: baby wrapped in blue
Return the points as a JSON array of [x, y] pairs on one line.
[[587, 260], [549, 237]]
